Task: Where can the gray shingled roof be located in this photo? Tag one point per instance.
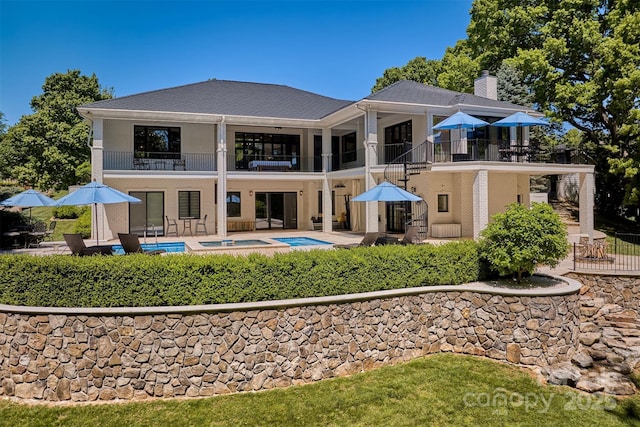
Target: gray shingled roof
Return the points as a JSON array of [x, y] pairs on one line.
[[230, 98], [233, 98], [417, 93]]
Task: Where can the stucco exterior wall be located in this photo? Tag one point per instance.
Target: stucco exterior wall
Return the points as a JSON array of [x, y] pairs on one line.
[[195, 138], [118, 214]]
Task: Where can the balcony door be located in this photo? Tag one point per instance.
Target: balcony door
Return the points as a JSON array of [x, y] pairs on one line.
[[276, 211], [147, 217]]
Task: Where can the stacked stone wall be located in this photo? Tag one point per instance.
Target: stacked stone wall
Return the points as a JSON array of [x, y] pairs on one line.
[[84, 355], [619, 289]]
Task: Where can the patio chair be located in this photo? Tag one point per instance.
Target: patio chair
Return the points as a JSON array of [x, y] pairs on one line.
[[77, 247], [171, 223], [202, 224], [37, 235], [131, 245], [48, 234], [369, 239]]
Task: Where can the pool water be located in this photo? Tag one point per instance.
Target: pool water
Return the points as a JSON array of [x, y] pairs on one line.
[[174, 247], [246, 242], [301, 241]]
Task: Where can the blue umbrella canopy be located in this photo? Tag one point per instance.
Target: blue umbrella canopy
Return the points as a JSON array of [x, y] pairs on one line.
[[386, 192], [94, 193], [28, 199], [520, 119], [460, 120]]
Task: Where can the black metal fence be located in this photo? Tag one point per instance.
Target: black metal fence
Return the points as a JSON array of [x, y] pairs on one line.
[[619, 254]]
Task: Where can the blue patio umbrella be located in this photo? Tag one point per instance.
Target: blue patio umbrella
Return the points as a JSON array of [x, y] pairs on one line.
[[28, 199], [386, 192], [94, 193], [520, 119], [460, 120]]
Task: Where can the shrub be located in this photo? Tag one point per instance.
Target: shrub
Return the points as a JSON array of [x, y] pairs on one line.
[[143, 280], [66, 212], [83, 224], [521, 238]]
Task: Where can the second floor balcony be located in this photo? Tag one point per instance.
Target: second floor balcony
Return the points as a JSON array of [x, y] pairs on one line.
[[129, 160], [467, 150], [442, 152]]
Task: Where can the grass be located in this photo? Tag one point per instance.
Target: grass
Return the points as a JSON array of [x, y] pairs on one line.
[[439, 390]]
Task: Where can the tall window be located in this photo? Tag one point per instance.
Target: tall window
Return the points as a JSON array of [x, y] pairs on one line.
[[349, 145], [396, 140], [188, 204], [251, 147], [233, 204], [156, 142]]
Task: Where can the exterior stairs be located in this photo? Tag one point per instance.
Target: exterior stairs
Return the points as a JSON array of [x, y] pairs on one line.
[[399, 172]]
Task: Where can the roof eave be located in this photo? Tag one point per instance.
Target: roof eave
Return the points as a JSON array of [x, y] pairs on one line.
[[169, 116]]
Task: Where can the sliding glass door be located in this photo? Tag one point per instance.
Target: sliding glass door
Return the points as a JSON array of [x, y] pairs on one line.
[[276, 211], [147, 217]]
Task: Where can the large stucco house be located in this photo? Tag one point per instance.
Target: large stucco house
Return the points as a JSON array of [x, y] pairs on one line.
[[254, 156]]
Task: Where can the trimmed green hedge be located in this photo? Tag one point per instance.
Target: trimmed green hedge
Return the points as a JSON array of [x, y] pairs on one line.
[[143, 280]]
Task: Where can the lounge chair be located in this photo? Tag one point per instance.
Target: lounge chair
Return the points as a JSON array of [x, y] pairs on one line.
[[410, 236], [77, 246], [369, 239], [131, 245]]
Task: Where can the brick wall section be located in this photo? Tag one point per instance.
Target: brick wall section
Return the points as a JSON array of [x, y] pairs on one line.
[[83, 357]]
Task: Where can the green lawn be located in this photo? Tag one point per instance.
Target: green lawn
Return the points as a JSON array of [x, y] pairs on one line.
[[441, 390]]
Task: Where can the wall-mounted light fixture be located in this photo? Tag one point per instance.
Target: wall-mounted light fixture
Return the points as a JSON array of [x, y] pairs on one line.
[[301, 192], [278, 128], [250, 192], [413, 189]]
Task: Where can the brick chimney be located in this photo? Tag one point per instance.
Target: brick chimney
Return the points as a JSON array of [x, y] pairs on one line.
[[486, 86]]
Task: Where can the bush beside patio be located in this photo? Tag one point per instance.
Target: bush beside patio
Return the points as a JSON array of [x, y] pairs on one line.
[[141, 280]]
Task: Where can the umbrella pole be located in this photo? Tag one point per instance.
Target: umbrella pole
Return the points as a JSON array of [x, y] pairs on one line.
[[95, 208]]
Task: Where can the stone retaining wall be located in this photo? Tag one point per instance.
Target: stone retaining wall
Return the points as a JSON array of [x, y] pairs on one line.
[[104, 355], [619, 289]]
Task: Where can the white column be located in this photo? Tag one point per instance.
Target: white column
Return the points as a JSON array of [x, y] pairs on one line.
[[586, 203], [430, 155], [480, 202], [98, 212], [327, 203], [221, 207], [371, 159]]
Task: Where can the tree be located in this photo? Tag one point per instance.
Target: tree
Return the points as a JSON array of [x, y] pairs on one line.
[[511, 86], [3, 125], [500, 28], [518, 240], [419, 69], [587, 72], [45, 148], [459, 68], [581, 59]]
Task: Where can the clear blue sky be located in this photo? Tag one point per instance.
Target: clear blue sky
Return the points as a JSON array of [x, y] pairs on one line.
[[334, 48]]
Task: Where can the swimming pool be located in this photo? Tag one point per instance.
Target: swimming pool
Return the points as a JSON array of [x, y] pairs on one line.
[[174, 247], [301, 241], [246, 242]]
